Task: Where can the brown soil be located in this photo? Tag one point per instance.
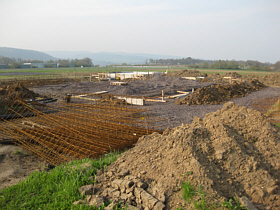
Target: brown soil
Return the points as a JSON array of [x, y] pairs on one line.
[[16, 91], [231, 152], [16, 164], [272, 79], [269, 80], [186, 73], [40, 82], [216, 94]]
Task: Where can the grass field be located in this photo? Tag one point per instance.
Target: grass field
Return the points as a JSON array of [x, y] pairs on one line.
[[49, 73], [57, 189]]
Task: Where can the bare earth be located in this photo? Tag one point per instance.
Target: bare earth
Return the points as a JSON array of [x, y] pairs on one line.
[[165, 154]]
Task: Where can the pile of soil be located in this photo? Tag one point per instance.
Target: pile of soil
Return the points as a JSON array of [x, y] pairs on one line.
[[40, 82], [216, 94], [269, 80], [233, 152], [17, 92], [186, 73]]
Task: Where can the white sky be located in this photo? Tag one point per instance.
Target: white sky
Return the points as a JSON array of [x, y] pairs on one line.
[[207, 29]]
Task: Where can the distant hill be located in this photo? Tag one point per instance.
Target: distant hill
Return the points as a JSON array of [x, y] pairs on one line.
[[100, 58], [24, 54], [107, 58]]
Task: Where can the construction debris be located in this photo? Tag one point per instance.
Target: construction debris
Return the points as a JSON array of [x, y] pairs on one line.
[[118, 83]]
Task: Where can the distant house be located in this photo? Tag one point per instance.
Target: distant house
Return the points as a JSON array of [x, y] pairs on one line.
[[3, 66], [32, 65], [38, 65], [71, 65], [25, 66]]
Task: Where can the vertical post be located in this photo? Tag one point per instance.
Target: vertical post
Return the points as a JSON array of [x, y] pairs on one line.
[[162, 95]]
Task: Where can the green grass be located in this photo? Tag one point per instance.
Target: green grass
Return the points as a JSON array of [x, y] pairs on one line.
[[196, 197], [17, 152], [57, 189]]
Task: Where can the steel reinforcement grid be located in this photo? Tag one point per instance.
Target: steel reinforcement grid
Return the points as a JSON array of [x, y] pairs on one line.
[[269, 107], [78, 128]]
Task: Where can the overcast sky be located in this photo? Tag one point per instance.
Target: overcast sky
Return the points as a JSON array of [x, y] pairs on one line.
[[207, 29]]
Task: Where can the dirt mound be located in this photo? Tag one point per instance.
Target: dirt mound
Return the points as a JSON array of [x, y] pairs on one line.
[[216, 94], [17, 92], [269, 80], [186, 73], [232, 152]]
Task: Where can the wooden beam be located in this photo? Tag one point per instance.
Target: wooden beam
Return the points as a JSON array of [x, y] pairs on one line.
[[183, 92]]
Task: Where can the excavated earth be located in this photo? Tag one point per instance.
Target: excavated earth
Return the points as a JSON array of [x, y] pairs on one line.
[[233, 152], [230, 150], [216, 94]]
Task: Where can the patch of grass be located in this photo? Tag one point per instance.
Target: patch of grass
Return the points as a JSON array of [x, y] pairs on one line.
[[229, 204], [278, 124], [197, 198], [188, 191], [17, 152], [57, 189]]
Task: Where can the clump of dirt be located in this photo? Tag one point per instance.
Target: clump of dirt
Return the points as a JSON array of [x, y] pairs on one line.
[[186, 73], [233, 152], [216, 94], [17, 92]]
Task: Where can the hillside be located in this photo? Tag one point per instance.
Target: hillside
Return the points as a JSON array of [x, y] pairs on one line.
[[24, 54], [107, 58]]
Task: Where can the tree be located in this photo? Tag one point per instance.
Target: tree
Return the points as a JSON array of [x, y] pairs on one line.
[[277, 65], [205, 65]]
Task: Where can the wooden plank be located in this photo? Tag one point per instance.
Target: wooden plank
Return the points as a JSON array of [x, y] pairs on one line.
[[135, 101], [82, 97], [182, 92], [100, 92], [118, 83], [154, 100], [179, 95], [192, 78]]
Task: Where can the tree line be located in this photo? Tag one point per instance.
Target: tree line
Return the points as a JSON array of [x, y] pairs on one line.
[[14, 63], [216, 64]]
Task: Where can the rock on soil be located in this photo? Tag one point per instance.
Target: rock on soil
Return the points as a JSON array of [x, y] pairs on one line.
[[216, 94], [231, 152]]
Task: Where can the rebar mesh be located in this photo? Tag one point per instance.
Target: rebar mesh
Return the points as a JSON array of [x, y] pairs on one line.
[[269, 107], [78, 129]]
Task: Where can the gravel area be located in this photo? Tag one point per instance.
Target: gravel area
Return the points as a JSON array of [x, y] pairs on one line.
[[178, 114]]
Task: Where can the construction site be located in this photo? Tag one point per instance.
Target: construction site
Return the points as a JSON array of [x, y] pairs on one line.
[[60, 121]]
